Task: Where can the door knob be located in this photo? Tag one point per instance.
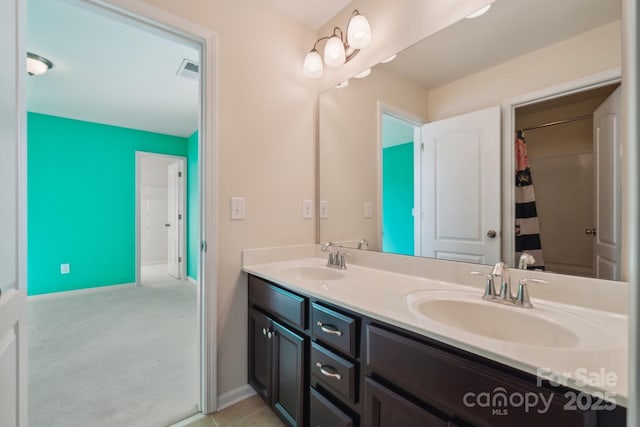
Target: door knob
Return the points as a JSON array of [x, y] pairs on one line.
[[590, 231], [167, 225], [491, 234]]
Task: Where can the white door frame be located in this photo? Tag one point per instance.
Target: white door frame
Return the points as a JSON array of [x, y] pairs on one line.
[[182, 203], [391, 110], [205, 39], [508, 155]]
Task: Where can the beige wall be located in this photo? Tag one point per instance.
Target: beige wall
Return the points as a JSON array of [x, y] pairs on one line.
[[349, 152], [266, 144], [583, 55]]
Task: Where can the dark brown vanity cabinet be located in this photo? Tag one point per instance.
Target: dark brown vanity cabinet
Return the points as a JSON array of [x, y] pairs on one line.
[[319, 365], [277, 352]]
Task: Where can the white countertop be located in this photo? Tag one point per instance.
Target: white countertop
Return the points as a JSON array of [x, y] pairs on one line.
[[599, 368]]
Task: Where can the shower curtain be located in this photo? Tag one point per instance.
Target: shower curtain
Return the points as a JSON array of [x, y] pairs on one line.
[[527, 227]]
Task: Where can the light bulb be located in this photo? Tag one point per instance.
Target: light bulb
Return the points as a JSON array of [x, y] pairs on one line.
[[358, 32], [312, 67], [334, 54]]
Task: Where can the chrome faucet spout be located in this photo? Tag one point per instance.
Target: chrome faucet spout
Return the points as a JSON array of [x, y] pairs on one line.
[[502, 271], [526, 259]]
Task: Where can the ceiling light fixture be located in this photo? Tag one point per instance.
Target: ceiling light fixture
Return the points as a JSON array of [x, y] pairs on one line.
[[37, 65], [337, 50], [389, 59], [479, 12], [363, 74]]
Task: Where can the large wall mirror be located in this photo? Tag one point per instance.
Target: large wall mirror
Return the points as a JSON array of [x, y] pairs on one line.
[[494, 137]]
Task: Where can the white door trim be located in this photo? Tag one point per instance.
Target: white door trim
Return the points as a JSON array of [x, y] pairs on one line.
[[508, 119], [182, 202], [392, 110], [205, 40]]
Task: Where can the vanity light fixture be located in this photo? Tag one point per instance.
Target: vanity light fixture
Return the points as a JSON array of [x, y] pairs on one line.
[[337, 50], [363, 74], [37, 65], [479, 12], [389, 59]]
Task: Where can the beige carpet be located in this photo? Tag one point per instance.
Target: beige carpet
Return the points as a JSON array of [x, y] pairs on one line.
[[121, 357]]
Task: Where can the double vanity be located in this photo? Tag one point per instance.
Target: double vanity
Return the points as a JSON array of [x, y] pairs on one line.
[[363, 346]]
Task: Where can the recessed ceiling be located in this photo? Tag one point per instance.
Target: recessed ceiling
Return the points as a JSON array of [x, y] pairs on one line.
[[312, 13], [109, 71]]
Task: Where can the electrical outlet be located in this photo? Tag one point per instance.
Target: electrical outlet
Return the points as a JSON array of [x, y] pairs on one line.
[[324, 209], [237, 208], [65, 268], [307, 209]]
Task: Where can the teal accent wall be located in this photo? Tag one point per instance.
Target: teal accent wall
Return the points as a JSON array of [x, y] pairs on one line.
[[81, 201], [193, 207], [397, 199]]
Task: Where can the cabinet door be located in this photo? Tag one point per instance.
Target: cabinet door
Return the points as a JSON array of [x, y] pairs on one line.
[[260, 354], [288, 375], [384, 408]]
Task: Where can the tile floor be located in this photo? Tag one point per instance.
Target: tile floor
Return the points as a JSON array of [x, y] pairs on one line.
[[251, 412]]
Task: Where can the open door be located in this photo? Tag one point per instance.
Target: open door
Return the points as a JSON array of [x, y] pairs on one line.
[[175, 221], [606, 149], [461, 188], [13, 333]]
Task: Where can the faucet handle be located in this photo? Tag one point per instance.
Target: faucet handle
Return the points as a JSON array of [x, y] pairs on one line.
[[522, 299], [489, 289]]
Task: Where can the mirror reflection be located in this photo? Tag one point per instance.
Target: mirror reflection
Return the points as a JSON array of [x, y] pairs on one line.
[[493, 138]]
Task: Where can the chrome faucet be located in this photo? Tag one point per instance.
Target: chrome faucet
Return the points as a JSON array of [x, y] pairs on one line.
[[501, 271], [526, 259], [336, 258], [363, 244]]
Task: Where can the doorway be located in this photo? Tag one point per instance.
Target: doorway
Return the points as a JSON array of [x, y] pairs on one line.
[[569, 219], [203, 333], [161, 201]]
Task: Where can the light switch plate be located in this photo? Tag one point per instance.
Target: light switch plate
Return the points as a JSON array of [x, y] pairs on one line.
[[307, 209], [237, 208], [65, 268], [368, 210], [324, 209]]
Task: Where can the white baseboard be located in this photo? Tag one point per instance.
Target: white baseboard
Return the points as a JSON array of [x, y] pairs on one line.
[[188, 421], [234, 396], [193, 281], [166, 261], [77, 292]]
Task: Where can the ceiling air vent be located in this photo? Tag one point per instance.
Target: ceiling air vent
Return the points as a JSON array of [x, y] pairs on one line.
[[189, 69]]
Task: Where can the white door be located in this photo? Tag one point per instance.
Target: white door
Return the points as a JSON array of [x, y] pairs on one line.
[[461, 188], [13, 348], [174, 221], [606, 150]]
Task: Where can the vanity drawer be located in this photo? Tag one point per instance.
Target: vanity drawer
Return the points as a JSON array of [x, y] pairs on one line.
[[333, 328], [334, 372], [279, 302], [326, 414], [453, 384]]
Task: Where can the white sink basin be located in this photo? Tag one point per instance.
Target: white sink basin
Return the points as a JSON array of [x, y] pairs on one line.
[[541, 326], [312, 273]]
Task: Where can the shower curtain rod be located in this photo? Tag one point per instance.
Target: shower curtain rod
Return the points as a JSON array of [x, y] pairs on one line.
[[559, 122]]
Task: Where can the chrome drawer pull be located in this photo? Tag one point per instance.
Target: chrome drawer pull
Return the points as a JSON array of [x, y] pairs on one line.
[[326, 373], [329, 329]]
